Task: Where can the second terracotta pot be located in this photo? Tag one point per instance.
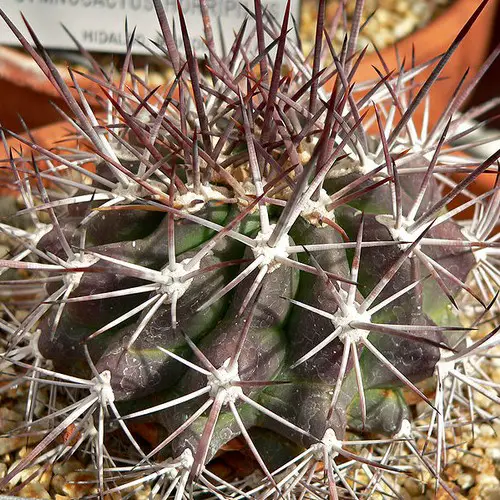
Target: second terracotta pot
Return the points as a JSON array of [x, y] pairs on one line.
[[433, 40]]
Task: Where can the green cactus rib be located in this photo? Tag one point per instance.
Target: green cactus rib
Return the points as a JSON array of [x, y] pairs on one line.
[[250, 257], [294, 312]]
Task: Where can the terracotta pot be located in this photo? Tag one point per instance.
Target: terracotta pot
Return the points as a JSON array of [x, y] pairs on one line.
[[29, 91], [484, 183], [46, 136], [58, 134], [433, 40]]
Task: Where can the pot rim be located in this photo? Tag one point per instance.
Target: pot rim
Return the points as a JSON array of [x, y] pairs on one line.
[[453, 11]]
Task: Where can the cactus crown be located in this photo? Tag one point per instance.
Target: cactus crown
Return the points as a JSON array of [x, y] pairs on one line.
[[259, 249]]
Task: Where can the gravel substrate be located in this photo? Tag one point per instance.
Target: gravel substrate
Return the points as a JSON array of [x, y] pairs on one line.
[[472, 470], [388, 20]]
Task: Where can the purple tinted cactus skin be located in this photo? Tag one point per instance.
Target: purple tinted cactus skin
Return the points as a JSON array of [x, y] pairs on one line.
[[306, 405], [81, 319], [143, 367], [419, 359], [385, 410], [264, 352], [306, 328], [65, 345]]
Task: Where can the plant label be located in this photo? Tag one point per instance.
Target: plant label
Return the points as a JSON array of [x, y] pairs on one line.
[[102, 25]]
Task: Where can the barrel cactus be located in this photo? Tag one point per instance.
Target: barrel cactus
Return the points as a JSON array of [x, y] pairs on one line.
[[245, 254]]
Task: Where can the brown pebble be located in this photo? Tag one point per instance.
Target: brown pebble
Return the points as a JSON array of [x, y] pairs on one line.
[[486, 442], [9, 420], [475, 460], [413, 487], [46, 478], [465, 481], [14, 443], [34, 490], [23, 452], [58, 483], [11, 444], [117, 496], [494, 453], [482, 492], [442, 494], [25, 474], [68, 466], [453, 471], [79, 484], [488, 478]]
